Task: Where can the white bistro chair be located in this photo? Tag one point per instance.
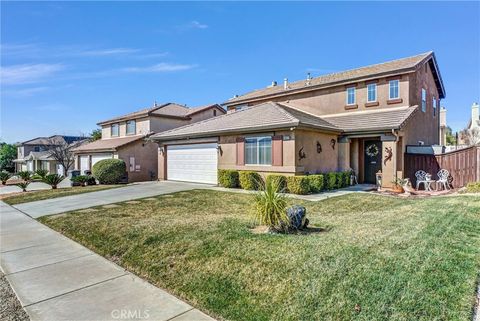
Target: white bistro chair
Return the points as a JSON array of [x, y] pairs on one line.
[[421, 179], [443, 176]]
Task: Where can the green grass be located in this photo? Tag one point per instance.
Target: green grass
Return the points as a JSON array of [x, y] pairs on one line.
[[53, 193], [398, 259]]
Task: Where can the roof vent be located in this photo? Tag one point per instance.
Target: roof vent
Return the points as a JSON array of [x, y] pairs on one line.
[[154, 103], [285, 84], [274, 84], [235, 96], [309, 78]]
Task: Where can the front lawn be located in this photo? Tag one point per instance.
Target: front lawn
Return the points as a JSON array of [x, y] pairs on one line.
[[25, 197], [369, 257]]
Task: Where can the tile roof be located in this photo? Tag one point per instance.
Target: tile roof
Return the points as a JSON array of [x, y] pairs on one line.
[[56, 139], [270, 115], [260, 117], [166, 110], [343, 76], [109, 144], [374, 120]]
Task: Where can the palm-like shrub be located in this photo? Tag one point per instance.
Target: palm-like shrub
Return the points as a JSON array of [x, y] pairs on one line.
[[270, 207], [23, 185], [4, 176], [25, 175], [41, 173], [109, 171], [53, 180], [81, 179]]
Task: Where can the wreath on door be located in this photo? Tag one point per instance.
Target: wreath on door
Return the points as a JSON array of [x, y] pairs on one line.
[[372, 150]]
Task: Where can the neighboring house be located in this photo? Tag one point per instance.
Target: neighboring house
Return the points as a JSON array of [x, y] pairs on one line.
[[443, 126], [361, 119], [471, 134], [34, 154], [125, 137]]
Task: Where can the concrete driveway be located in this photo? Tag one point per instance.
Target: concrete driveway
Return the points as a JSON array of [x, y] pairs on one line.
[[127, 193]]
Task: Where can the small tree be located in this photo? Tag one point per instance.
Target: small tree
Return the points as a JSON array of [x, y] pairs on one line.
[[96, 134], [450, 137], [62, 152], [23, 185], [269, 206], [25, 175], [53, 180], [8, 153], [471, 136]]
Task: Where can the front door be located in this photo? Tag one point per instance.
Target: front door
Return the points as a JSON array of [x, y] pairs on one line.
[[373, 159]]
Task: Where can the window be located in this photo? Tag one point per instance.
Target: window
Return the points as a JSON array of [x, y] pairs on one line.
[[434, 105], [130, 127], [394, 89], [131, 162], [240, 107], [424, 100], [258, 150], [214, 113], [114, 130], [351, 96], [36, 149], [372, 92]]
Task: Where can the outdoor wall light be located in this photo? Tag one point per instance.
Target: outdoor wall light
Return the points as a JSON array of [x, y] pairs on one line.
[[319, 147], [332, 143]]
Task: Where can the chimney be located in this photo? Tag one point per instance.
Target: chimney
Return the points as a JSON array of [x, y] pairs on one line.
[[285, 83], [475, 115], [274, 84], [307, 82], [443, 117], [154, 103]]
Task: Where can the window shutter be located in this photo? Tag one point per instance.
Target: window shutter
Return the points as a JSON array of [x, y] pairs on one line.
[[240, 151], [277, 150]]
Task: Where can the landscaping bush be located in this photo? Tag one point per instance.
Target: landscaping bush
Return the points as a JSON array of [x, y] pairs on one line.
[[270, 206], [316, 183], [330, 181], [81, 179], [53, 180], [4, 176], [228, 178], [473, 187], [342, 179], [41, 173], [23, 185], [109, 171], [298, 184], [25, 175], [91, 180], [281, 181], [250, 180]]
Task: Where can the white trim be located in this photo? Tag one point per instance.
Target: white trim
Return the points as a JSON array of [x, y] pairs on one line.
[[258, 138], [354, 96], [421, 100], [398, 88], [368, 93]]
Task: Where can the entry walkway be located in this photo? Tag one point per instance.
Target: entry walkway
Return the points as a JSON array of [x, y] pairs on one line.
[[57, 279]]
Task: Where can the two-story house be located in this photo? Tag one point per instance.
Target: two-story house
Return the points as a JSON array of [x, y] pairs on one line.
[[35, 154], [361, 119], [126, 137]]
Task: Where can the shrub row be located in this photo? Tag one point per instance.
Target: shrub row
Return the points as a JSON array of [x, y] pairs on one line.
[[304, 184]]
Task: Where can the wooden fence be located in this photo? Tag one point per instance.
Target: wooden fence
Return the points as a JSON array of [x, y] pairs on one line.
[[463, 165]]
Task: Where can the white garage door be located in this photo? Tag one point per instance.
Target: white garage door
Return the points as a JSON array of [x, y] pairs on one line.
[[192, 163], [84, 166], [99, 157]]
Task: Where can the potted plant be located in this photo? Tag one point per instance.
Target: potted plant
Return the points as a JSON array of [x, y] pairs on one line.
[[399, 185]]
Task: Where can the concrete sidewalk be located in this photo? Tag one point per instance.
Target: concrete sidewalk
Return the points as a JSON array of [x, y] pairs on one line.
[[114, 195], [58, 279]]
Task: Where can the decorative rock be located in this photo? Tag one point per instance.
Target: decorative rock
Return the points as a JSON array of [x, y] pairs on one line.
[[298, 217]]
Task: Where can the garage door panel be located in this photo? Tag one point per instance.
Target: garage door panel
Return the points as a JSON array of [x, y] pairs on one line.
[[192, 163]]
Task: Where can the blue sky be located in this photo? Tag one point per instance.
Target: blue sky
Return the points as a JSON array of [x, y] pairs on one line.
[[66, 66]]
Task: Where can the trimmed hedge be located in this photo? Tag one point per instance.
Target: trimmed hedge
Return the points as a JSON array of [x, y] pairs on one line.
[[316, 183], [330, 181], [281, 179], [250, 180], [298, 184], [109, 171], [228, 178]]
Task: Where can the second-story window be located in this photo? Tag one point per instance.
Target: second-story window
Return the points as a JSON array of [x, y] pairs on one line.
[[114, 130], [434, 105], [424, 100], [393, 89], [372, 92], [130, 127], [351, 96]]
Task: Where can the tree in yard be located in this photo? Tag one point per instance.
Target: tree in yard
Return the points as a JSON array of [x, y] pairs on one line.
[[471, 136], [62, 152], [96, 134], [450, 136], [8, 153]]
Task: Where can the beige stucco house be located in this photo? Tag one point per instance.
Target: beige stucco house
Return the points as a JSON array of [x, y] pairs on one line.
[[35, 153], [361, 119], [126, 137]]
